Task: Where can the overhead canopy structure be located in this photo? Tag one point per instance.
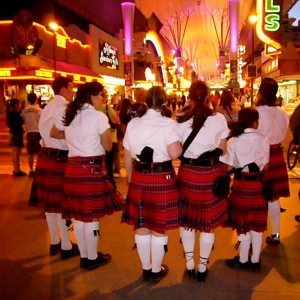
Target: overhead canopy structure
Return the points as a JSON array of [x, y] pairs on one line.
[[204, 23]]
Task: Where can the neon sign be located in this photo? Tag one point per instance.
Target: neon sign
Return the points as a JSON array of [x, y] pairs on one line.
[[108, 55], [268, 25]]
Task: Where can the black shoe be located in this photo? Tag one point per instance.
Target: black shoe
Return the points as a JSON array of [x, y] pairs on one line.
[[274, 239], [147, 275], [236, 264], [256, 267], [31, 173], [157, 277], [101, 260], [66, 254], [201, 276], [83, 262], [19, 174], [191, 274], [55, 249], [297, 218]]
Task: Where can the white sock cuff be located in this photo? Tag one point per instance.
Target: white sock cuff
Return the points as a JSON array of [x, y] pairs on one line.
[[255, 234], [207, 237], [92, 225], [159, 240], [142, 239], [78, 223], [244, 237], [274, 205], [187, 232]]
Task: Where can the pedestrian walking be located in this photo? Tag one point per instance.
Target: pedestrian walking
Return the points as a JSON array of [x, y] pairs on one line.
[[31, 115], [16, 131]]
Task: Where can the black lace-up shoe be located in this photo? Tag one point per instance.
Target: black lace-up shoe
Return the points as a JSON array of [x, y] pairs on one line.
[[55, 249], [191, 274], [201, 276], [236, 264], [157, 277], [66, 254], [274, 239], [101, 260], [147, 275]]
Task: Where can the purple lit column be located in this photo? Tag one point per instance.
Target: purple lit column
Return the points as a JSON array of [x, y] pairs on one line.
[[233, 12], [128, 17]]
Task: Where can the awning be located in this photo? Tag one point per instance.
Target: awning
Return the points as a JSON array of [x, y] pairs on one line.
[[36, 68]]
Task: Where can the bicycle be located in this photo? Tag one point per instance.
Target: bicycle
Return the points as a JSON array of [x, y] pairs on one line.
[[293, 154]]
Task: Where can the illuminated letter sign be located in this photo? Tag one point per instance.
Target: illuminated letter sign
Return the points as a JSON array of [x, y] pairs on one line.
[[108, 55], [268, 26]]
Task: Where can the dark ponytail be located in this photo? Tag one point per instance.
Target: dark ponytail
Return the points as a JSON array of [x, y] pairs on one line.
[[247, 116], [198, 93], [83, 96], [155, 98]]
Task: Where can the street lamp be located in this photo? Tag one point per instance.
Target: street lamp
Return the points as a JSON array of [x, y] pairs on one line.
[[252, 19], [54, 27]]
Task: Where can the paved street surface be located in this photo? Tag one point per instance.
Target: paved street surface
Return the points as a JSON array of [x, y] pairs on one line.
[[28, 272]]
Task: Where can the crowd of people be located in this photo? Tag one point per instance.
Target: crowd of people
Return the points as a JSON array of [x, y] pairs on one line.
[[79, 155]]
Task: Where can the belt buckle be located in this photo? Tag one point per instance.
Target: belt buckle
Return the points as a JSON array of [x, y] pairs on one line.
[[92, 161], [95, 170]]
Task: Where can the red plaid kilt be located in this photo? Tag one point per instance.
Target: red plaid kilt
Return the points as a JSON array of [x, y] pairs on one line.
[[277, 173], [88, 195], [249, 207], [200, 209], [152, 202], [48, 184]]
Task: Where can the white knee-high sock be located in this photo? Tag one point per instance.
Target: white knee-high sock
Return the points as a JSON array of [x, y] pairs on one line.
[[206, 243], [91, 231], [188, 242], [143, 245], [274, 213], [158, 251], [64, 233], [78, 227], [53, 229], [245, 240], [256, 238]]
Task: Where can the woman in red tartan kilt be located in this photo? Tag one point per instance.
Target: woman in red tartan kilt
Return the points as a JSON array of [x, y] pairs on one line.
[[200, 209], [49, 180], [273, 124], [247, 152], [150, 144], [88, 194]]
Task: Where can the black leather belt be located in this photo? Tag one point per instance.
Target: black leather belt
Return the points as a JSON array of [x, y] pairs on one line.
[[58, 155], [200, 162], [165, 166], [86, 160], [250, 177]]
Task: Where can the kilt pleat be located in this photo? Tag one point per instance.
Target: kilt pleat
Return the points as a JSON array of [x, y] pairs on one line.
[[200, 209], [88, 195], [152, 202], [48, 181], [249, 208], [277, 173]]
